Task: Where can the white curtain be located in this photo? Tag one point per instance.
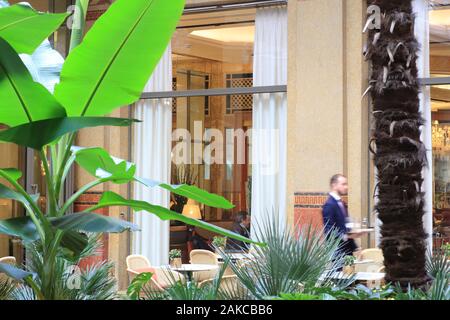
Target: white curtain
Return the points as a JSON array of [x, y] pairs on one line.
[[269, 119], [152, 155], [422, 31]]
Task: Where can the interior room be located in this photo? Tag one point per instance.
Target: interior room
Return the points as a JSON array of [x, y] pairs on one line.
[[440, 109], [214, 50]]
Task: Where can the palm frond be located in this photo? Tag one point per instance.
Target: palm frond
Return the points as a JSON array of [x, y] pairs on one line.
[[6, 288], [291, 259], [96, 282], [437, 263]]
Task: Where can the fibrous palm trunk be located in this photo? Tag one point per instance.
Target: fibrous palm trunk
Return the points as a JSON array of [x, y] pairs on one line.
[[399, 155]]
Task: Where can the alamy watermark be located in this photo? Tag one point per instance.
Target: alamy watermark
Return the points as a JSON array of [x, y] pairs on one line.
[[230, 146], [73, 274], [374, 18]]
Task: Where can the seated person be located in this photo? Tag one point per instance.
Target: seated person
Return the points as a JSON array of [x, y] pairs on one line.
[[198, 242], [241, 226]]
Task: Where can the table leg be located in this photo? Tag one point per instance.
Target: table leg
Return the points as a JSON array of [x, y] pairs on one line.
[[189, 279]]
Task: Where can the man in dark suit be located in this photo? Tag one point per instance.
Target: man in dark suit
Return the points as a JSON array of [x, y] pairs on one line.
[[240, 226], [335, 215]]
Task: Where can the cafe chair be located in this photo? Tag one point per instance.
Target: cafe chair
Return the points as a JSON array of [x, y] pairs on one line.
[[137, 261], [166, 277], [374, 254], [229, 286], [199, 256], [8, 260]]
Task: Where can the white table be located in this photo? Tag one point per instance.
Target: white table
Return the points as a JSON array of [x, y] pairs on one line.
[[189, 269], [369, 276], [236, 256], [359, 230], [364, 261], [358, 276]]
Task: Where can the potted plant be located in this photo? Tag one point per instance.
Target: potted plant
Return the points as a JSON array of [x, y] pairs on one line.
[[175, 258], [219, 243], [349, 265]]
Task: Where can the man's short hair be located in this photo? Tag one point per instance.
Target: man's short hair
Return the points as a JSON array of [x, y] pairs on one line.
[[240, 216], [334, 179]]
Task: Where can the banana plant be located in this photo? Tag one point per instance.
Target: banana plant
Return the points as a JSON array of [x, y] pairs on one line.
[[100, 74]]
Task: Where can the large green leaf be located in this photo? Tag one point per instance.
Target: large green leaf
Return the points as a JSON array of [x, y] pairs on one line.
[[100, 164], [40, 133], [110, 199], [25, 28], [21, 99], [22, 227], [75, 243], [136, 285], [25, 229], [191, 192], [13, 272], [11, 173], [92, 222], [111, 66], [7, 193]]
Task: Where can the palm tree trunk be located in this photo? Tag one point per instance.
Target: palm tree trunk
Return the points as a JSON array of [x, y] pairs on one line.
[[399, 155]]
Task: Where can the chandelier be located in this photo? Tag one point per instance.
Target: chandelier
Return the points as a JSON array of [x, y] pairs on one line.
[[440, 138]]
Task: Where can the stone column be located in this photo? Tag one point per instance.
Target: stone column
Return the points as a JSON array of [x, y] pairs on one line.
[[327, 120]]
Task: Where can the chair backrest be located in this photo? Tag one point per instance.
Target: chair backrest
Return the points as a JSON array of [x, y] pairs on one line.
[[374, 254], [8, 260], [229, 285], [132, 274], [166, 277], [137, 261], [382, 269], [199, 256]]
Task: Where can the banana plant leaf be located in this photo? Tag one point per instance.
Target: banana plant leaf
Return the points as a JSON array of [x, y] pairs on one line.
[[21, 99], [116, 58], [92, 222], [22, 227], [74, 243], [191, 192], [37, 134], [11, 173], [72, 240], [110, 199], [13, 272], [7, 193], [25, 28], [99, 163]]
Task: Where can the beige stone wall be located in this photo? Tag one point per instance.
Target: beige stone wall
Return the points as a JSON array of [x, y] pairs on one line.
[[327, 119], [116, 141]]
